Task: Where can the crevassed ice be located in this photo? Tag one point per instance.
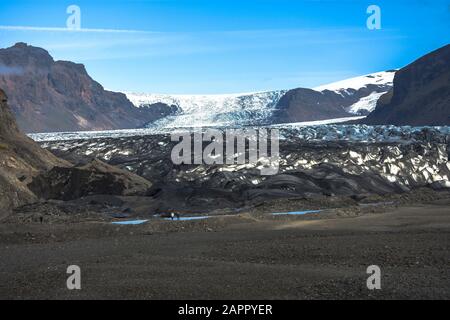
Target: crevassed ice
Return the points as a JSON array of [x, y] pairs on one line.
[[212, 110]]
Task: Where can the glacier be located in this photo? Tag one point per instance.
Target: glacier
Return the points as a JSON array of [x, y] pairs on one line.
[[256, 108], [213, 110]]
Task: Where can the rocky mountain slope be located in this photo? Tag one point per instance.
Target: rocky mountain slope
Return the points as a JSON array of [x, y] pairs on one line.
[[28, 172], [421, 94], [20, 159], [47, 95]]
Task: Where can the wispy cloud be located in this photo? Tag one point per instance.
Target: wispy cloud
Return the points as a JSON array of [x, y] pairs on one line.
[[87, 44], [54, 29]]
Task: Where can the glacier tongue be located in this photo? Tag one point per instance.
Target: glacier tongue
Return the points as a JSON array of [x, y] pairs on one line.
[[213, 110]]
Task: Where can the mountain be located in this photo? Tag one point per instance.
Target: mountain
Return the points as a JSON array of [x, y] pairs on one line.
[[421, 94], [356, 96], [55, 96], [20, 159], [47, 95], [376, 83]]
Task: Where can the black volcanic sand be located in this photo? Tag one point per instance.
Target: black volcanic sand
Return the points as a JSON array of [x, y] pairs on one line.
[[250, 255]]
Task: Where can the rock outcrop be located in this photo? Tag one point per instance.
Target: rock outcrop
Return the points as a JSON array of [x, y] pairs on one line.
[[20, 159], [300, 105], [94, 178], [29, 172], [421, 94]]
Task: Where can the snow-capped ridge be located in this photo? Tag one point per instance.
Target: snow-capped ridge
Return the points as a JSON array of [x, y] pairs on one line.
[[384, 78]]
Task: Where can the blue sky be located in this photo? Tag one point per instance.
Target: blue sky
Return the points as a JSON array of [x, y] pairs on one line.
[[228, 46]]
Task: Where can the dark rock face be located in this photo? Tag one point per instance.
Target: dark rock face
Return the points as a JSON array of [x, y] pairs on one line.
[[421, 94], [8, 127], [51, 96], [20, 159], [17, 146], [300, 105], [159, 111], [308, 105], [95, 178]]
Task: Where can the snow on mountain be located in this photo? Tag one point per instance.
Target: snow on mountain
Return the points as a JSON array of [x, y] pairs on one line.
[[385, 78], [379, 80], [367, 103]]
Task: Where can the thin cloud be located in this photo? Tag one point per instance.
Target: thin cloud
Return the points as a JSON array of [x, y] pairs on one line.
[[52, 29]]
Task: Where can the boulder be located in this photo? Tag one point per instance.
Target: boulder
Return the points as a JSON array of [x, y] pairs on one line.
[[94, 178]]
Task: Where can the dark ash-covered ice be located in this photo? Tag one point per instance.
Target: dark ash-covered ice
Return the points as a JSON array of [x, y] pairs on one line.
[[315, 161]]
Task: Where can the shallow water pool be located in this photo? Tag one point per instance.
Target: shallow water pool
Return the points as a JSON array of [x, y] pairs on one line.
[[296, 212], [187, 218], [131, 222]]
